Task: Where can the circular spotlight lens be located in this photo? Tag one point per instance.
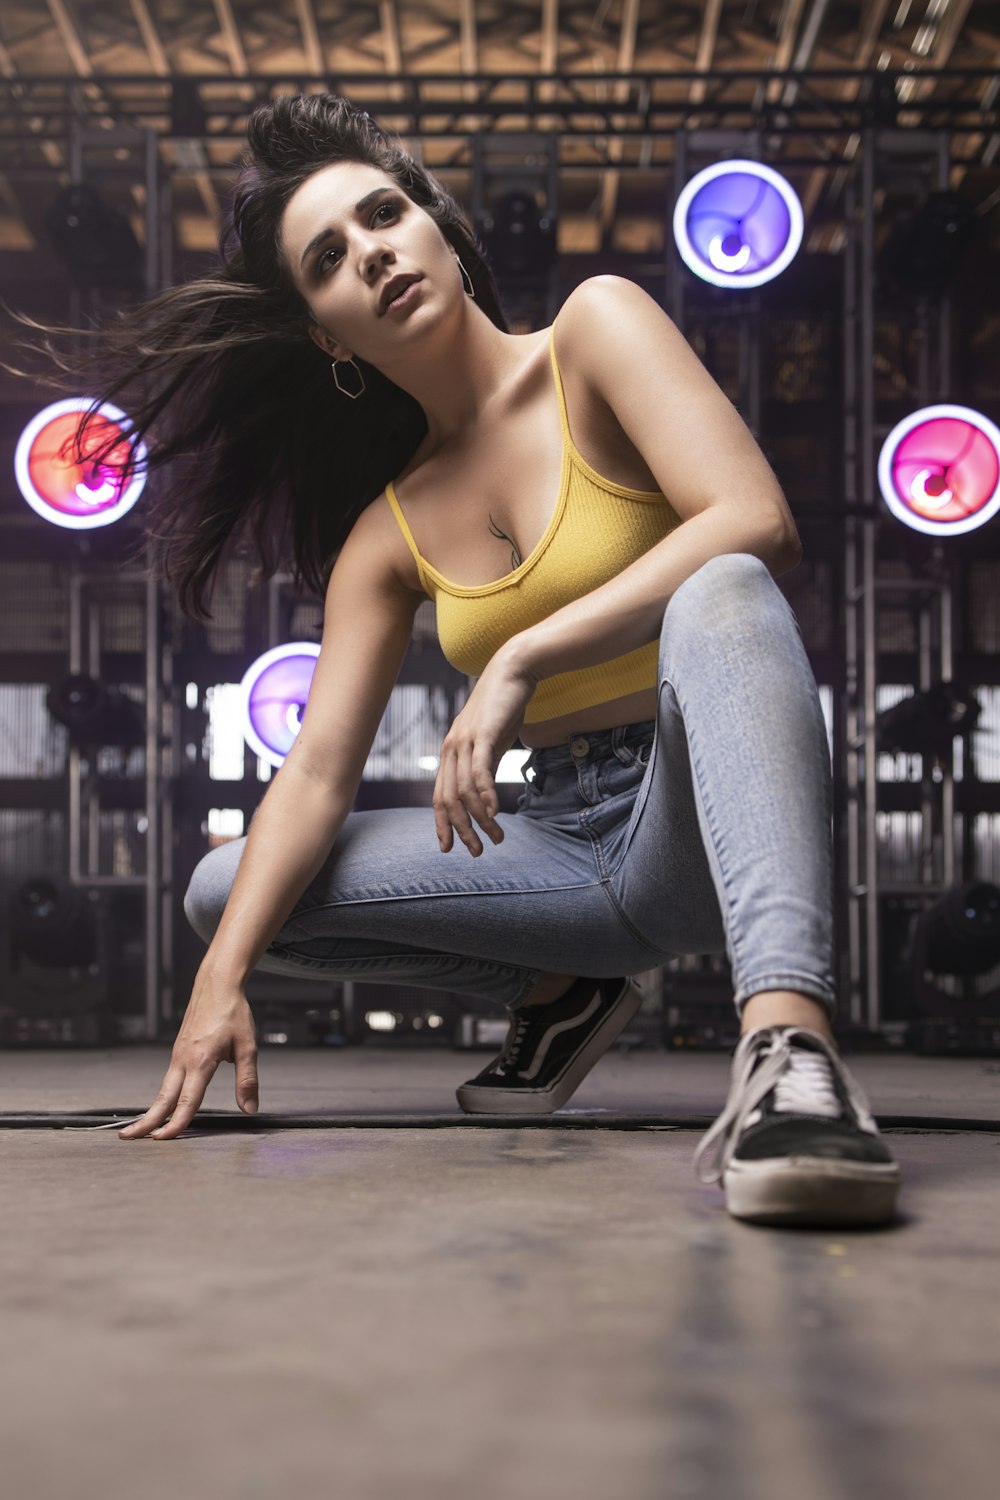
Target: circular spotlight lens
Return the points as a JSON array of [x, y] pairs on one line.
[[78, 496], [738, 223], [273, 696], [939, 470]]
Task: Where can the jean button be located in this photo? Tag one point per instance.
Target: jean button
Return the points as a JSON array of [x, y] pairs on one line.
[[578, 748]]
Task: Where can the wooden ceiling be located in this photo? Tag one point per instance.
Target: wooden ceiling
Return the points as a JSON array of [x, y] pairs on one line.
[[108, 63]]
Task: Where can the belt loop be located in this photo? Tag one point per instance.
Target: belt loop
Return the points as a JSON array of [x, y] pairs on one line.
[[531, 764], [618, 746]]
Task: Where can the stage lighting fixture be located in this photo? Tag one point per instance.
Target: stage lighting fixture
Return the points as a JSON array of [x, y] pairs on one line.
[[94, 239], [273, 696], [939, 470], [78, 496], [926, 723], [96, 715], [738, 224], [519, 238], [960, 933], [52, 923]]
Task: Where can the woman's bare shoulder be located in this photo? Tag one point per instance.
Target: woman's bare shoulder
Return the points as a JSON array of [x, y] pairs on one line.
[[600, 310], [376, 544]]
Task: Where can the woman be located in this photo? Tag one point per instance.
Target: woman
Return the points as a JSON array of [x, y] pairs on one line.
[[599, 532]]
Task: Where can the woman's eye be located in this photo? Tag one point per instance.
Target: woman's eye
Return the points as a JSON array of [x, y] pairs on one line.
[[324, 262], [386, 208]]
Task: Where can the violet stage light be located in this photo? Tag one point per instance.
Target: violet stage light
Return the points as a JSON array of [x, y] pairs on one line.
[[939, 470], [273, 693], [738, 223], [78, 496]]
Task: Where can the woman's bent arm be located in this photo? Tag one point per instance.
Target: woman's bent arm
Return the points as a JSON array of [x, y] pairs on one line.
[[366, 628]]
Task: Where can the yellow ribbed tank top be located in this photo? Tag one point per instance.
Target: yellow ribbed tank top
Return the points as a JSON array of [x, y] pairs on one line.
[[597, 529]]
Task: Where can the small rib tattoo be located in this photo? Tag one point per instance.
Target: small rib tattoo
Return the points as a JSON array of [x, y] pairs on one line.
[[515, 556]]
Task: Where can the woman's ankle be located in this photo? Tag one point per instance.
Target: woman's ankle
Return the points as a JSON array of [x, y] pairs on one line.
[[784, 1008], [550, 987]]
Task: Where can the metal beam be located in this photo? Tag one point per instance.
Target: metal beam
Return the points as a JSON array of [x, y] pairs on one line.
[[311, 44], [626, 60], [389, 26], [230, 35], [70, 38], [706, 47], [189, 156], [150, 37]]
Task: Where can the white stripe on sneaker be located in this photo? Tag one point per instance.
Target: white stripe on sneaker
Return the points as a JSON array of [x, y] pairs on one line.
[[555, 1031]]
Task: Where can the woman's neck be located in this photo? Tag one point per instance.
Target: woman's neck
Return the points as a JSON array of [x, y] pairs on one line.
[[456, 372]]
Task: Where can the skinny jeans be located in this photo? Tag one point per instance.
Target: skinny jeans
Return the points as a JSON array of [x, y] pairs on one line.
[[704, 830]]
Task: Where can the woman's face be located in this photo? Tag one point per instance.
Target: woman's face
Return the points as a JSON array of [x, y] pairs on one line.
[[351, 238]]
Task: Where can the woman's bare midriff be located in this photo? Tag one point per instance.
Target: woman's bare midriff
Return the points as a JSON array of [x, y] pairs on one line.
[[631, 710]]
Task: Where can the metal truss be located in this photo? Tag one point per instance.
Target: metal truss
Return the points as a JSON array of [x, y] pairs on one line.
[[608, 109]]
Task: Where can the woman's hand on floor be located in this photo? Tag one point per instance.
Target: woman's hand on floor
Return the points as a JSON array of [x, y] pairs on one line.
[[486, 727], [218, 1026]]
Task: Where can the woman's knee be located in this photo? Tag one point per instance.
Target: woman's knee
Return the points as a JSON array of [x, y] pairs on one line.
[[209, 887], [724, 590]]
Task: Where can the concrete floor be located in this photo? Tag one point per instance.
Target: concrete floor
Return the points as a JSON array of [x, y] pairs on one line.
[[471, 1312]]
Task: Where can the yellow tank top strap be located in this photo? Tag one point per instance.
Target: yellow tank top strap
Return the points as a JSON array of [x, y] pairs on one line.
[[390, 495], [563, 417]]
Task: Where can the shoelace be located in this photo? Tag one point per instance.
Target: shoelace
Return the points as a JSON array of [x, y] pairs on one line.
[[511, 1047], [803, 1084]]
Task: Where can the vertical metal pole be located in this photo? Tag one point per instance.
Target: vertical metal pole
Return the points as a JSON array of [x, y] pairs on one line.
[[93, 794], [75, 812], [868, 613], [948, 851], [153, 797], [872, 976], [850, 714], [675, 271]]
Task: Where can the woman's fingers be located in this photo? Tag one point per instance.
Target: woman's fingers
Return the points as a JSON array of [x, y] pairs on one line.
[[465, 790], [160, 1109], [178, 1101]]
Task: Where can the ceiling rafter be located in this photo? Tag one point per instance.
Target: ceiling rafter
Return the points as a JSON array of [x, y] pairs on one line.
[[311, 44], [231, 37], [611, 180], [71, 38], [189, 155], [707, 38]]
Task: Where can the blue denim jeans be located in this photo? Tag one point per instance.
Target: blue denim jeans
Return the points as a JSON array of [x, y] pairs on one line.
[[705, 830]]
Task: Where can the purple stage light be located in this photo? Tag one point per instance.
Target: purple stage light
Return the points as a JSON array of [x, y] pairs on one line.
[[274, 691], [78, 496], [738, 223], [939, 470]]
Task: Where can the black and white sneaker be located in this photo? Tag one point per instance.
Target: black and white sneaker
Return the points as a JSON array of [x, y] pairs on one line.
[[796, 1142], [551, 1048]]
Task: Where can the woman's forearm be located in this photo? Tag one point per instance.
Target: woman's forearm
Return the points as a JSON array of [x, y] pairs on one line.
[[627, 612], [290, 837]]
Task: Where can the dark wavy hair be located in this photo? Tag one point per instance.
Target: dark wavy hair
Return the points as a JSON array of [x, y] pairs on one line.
[[235, 402]]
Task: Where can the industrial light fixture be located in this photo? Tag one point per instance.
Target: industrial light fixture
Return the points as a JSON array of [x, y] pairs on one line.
[[85, 494], [738, 224], [273, 694], [939, 470], [95, 715]]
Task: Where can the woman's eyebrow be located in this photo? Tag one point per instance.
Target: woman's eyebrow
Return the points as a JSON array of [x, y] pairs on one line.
[[324, 234]]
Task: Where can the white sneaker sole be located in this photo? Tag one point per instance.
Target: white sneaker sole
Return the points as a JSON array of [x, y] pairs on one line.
[[812, 1190], [476, 1100]]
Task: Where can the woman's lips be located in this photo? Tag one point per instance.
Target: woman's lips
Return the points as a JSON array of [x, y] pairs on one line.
[[406, 297]]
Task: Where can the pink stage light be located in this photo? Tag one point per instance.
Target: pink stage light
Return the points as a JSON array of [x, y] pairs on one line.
[[939, 470], [78, 496]]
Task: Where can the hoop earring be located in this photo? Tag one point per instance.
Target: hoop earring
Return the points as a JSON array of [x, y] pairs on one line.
[[470, 290], [335, 367]]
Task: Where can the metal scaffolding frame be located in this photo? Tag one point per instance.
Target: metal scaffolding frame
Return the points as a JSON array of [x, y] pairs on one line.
[[923, 159], [138, 158]]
